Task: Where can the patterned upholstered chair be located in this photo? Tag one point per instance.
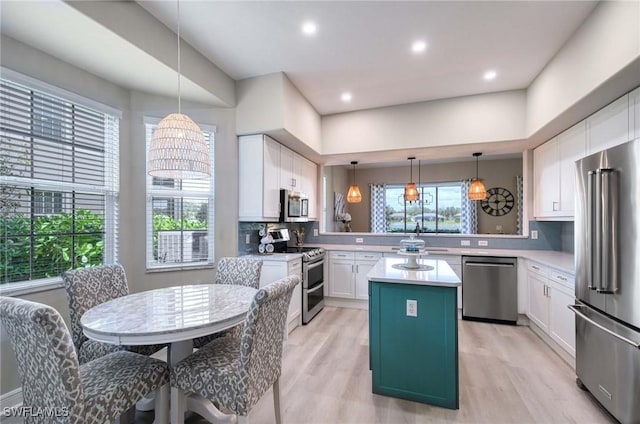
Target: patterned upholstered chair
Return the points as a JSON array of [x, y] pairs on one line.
[[94, 393], [86, 288], [234, 270], [235, 373]]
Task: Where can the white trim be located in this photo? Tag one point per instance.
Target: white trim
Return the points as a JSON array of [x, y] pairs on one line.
[[30, 286], [11, 399], [57, 91]]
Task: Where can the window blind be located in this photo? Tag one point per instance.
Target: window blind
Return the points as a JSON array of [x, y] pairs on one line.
[[180, 217], [59, 184]]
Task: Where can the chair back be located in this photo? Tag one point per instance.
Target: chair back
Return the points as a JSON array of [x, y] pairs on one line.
[[88, 287], [239, 271], [263, 338], [47, 362]]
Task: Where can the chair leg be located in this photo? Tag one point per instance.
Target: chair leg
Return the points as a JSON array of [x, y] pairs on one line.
[[127, 417], [276, 400], [162, 405]]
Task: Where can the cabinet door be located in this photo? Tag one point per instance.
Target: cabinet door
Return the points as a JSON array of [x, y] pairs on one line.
[[271, 173], [362, 283], [286, 168], [609, 126], [561, 319], [546, 178], [259, 173], [308, 185], [538, 302], [272, 271], [295, 306], [572, 145], [341, 283]]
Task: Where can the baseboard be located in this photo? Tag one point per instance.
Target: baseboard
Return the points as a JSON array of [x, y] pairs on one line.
[[12, 398], [553, 345], [346, 303]]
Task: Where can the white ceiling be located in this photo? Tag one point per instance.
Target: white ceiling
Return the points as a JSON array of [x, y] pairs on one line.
[[364, 46]]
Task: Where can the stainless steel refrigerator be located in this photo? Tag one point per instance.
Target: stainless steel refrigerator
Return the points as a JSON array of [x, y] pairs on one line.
[[607, 248]]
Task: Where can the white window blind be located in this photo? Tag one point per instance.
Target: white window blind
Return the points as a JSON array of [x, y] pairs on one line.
[[59, 184], [180, 217]]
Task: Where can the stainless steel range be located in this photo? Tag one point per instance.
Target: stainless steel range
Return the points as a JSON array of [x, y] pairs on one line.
[[312, 280]]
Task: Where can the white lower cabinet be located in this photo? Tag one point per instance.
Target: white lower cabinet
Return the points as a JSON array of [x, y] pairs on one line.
[[275, 270], [550, 292], [455, 262], [348, 273]]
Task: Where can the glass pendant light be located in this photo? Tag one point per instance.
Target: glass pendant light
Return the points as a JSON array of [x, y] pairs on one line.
[[477, 191], [353, 195], [411, 191], [178, 149]]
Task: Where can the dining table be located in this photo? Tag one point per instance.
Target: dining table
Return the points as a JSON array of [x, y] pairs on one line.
[[173, 316]]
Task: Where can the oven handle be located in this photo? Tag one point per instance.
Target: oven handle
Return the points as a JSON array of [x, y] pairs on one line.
[[316, 288], [311, 265]]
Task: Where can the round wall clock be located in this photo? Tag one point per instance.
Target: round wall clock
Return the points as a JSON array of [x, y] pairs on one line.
[[499, 201]]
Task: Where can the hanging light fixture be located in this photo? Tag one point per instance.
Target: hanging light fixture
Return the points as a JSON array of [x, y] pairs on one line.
[[411, 191], [178, 149], [477, 191], [353, 195]]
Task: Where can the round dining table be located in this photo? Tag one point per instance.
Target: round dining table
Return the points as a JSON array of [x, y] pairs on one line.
[[175, 316]]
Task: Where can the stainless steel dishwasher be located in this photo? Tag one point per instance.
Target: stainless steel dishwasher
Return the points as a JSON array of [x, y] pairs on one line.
[[489, 289]]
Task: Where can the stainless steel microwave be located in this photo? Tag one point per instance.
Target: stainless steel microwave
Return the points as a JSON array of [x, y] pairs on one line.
[[294, 206]]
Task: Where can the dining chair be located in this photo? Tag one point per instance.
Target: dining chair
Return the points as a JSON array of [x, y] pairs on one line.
[[54, 382], [235, 373], [234, 270], [89, 287]]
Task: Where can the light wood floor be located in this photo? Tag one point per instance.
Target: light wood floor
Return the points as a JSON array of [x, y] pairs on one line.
[[507, 375]]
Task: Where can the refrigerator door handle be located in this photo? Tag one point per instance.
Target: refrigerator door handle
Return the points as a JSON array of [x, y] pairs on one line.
[[593, 268], [608, 248], [576, 310]]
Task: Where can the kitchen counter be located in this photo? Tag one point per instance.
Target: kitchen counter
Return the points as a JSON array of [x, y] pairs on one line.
[[561, 261], [441, 273], [276, 257]]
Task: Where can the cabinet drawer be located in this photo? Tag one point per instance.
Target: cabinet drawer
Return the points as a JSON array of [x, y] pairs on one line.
[[294, 267], [538, 269], [565, 280], [368, 256], [338, 254]]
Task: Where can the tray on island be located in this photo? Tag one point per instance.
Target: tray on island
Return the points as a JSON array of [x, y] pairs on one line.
[[411, 262]]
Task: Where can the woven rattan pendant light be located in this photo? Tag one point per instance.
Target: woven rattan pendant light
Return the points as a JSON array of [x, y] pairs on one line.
[[477, 191], [354, 195], [178, 149], [410, 190]]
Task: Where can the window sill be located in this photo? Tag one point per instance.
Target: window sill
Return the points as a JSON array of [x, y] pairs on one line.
[[29, 287], [181, 267]]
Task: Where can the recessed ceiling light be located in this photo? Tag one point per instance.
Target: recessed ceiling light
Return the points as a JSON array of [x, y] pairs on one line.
[[309, 28], [489, 75], [418, 46], [346, 96]]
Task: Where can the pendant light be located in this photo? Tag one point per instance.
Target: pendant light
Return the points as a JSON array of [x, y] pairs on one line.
[[411, 191], [178, 149], [477, 191], [353, 195]]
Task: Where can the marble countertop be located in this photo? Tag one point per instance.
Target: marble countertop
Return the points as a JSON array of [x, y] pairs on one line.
[[276, 257], [561, 261], [169, 314], [439, 274]]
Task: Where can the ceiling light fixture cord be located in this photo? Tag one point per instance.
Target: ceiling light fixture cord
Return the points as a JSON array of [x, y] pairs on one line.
[[179, 102]]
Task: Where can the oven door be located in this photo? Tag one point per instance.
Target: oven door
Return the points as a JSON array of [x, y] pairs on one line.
[[312, 290]]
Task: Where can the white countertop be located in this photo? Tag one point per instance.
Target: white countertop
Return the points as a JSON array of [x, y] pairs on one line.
[[561, 261], [440, 273], [276, 257]]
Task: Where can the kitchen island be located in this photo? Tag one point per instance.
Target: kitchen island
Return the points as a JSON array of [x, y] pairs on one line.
[[413, 331]]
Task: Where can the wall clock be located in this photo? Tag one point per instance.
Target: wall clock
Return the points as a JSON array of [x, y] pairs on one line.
[[499, 201]]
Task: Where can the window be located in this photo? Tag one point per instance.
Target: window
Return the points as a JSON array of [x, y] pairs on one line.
[[437, 211], [180, 217], [59, 179]]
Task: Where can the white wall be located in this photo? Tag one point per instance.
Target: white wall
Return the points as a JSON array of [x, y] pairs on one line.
[[134, 106], [605, 44], [473, 119]]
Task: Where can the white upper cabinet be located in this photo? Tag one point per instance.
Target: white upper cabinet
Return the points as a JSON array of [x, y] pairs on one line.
[[609, 126], [572, 146], [634, 113], [289, 169], [259, 178], [299, 174]]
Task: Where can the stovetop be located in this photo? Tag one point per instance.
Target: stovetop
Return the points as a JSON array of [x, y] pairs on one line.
[[308, 253]]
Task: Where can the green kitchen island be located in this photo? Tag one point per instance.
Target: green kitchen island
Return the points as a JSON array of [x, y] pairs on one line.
[[413, 331]]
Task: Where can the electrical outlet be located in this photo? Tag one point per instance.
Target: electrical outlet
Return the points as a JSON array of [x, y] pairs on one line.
[[247, 238], [412, 308], [359, 240], [483, 243], [534, 234], [315, 232], [499, 228], [465, 242]]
